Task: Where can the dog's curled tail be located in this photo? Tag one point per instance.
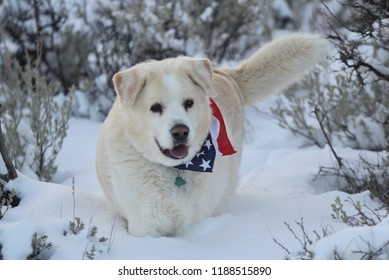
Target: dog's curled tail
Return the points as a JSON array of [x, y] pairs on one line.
[[278, 64]]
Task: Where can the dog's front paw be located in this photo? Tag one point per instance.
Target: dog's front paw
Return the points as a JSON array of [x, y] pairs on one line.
[[167, 221]]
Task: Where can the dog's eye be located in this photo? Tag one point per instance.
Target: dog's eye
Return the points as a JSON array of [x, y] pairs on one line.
[[188, 104], [156, 108]]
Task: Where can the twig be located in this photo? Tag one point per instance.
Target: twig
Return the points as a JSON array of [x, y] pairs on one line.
[[282, 246], [372, 253], [7, 161], [320, 117], [111, 236], [74, 198], [305, 235]]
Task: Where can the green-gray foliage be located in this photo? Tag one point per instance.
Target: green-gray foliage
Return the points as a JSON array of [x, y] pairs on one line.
[[363, 216], [354, 116], [305, 240], [36, 118], [77, 225], [7, 199], [89, 254], [39, 245], [348, 106]]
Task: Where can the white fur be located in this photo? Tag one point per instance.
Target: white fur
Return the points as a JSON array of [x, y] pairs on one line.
[[138, 178], [278, 64]]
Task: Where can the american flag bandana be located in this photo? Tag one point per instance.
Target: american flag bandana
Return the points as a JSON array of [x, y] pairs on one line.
[[216, 144]]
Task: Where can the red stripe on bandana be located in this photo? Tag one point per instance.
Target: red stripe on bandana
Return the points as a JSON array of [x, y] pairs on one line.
[[219, 132]]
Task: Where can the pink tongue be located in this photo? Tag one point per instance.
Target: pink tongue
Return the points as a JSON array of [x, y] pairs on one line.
[[179, 151]]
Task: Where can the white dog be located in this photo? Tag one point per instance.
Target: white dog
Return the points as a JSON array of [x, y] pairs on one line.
[[169, 151]]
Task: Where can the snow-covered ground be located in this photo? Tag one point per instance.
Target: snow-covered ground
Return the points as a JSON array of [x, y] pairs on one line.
[[277, 189]]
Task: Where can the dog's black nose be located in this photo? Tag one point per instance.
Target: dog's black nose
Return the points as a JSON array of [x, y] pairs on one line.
[[179, 132]]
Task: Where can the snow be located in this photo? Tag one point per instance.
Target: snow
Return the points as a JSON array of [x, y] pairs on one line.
[[277, 187], [364, 239], [207, 14]]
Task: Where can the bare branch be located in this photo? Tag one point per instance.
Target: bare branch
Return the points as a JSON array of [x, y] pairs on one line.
[[372, 69], [320, 117], [4, 154]]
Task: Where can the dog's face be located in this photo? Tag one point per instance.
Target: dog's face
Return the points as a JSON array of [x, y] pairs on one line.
[[164, 107]]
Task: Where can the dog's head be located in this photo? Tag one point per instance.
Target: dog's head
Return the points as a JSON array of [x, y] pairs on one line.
[[164, 107]]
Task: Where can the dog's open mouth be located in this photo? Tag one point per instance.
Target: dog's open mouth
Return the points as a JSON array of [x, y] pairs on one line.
[[178, 152]]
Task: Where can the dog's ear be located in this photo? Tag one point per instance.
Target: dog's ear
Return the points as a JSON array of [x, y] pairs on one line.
[[200, 72], [128, 84]]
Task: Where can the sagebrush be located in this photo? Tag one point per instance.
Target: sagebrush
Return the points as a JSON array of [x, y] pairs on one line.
[[36, 116]]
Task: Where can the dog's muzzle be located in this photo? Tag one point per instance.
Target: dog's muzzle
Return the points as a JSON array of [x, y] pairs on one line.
[[179, 134]]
